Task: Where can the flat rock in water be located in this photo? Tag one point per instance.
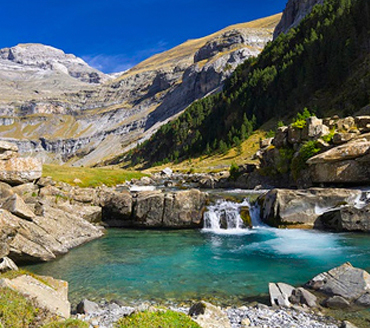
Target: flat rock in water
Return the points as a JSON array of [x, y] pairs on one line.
[[345, 281]]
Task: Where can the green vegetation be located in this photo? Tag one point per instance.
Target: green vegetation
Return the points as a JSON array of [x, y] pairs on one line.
[[308, 149], [234, 171], [322, 64], [69, 323], [89, 177], [16, 311], [159, 319], [299, 122]]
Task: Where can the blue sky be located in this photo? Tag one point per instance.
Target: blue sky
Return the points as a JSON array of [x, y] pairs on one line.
[[113, 35]]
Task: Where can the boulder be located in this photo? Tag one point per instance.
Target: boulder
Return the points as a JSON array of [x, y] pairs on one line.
[[52, 233], [347, 324], [294, 135], [6, 264], [314, 129], [303, 297], [350, 150], [92, 214], [87, 307], [184, 209], [350, 172], [28, 191], [15, 204], [341, 138], [345, 124], [363, 123], [279, 294], [347, 218], [51, 295], [9, 225], [83, 196], [5, 191], [284, 207], [8, 146], [207, 315], [345, 281], [281, 137], [20, 170], [148, 209], [117, 207]]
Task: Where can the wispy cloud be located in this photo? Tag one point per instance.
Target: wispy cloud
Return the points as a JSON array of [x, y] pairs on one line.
[[118, 63]]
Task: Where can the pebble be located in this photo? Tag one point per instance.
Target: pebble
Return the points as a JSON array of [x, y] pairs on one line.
[[246, 316]]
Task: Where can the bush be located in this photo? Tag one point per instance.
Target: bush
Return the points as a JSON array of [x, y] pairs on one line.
[[299, 122], [234, 171], [307, 150], [167, 319]]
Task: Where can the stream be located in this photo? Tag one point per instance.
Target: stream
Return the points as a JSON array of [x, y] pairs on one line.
[[224, 262]]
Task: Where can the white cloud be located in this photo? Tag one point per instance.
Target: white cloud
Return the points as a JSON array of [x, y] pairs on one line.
[[119, 63]]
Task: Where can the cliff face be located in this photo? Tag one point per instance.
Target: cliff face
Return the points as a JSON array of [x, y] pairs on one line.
[[86, 122], [294, 12]]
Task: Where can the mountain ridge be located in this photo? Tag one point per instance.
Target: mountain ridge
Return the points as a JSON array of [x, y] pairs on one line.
[[81, 126]]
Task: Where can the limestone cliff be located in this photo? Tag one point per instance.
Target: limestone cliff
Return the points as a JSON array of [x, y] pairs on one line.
[[88, 123], [294, 12]]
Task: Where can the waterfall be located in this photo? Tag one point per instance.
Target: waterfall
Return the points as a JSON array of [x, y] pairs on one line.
[[224, 217]]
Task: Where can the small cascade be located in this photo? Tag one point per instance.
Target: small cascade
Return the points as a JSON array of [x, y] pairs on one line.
[[224, 217]]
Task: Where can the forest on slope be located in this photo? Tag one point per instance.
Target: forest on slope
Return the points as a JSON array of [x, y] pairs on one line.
[[323, 64]]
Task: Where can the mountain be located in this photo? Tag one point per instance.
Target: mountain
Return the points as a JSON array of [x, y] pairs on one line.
[[34, 71], [82, 122], [294, 12], [322, 64]]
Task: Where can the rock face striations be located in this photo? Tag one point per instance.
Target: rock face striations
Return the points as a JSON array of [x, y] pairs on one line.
[[57, 110], [294, 12]]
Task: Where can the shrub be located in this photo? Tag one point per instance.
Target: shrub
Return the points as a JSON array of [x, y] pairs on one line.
[[307, 150], [329, 137], [299, 121], [167, 319], [234, 171]]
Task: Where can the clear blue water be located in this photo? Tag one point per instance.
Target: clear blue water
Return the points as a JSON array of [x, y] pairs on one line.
[[177, 266]]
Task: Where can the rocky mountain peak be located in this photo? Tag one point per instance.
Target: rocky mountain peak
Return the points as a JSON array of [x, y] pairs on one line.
[[38, 56], [294, 12]]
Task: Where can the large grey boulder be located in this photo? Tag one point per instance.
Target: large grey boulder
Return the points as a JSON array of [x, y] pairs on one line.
[[349, 283], [50, 234], [51, 295], [347, 218], [184, 209], [148, 209], [347, 163], [284, 207], [20, 170]]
